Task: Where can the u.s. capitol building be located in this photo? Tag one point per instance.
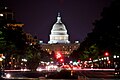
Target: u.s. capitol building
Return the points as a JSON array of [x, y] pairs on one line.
[[59, 40]]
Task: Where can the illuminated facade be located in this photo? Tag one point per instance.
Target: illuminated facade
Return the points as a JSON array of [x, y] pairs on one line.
[[65, 49], [59, 40], [14, 26], [8, 15], [59, 32]]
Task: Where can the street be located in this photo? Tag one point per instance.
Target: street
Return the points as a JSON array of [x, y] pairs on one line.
[[66, 74]]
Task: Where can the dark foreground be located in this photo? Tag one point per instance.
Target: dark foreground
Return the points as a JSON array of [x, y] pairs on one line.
[[64, 75]]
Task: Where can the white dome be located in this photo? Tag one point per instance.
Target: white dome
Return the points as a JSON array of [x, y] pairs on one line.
[[59, 26], [58, 32]]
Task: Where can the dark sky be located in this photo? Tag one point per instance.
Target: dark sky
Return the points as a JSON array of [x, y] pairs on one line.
[[40, 15]]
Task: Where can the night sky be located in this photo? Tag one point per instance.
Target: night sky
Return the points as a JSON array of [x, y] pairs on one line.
[[40, 15]]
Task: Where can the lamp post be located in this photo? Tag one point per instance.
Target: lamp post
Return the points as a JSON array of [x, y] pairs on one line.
[[106, 58], [1, 60], [1, 64], [117, 64]]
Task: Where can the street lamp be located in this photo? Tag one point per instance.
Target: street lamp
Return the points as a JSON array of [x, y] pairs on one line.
[[114, 56], [116, 59], [1, 64], [24, 63], [1, 14], [1, 59]]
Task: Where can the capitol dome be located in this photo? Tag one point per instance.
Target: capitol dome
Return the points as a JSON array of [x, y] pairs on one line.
[[58, 32], [58, 26]]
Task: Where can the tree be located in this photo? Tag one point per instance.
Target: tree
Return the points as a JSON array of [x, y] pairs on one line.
[[2, 36], [34, 55], [107, 29], [12, 41], [52, 56], [74, 56], [106, 33], [45, 56]]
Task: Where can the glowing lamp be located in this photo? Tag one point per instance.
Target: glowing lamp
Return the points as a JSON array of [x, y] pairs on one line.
[[61, 60], [106, 54], [108, 62], [1, 14], [58, 55]]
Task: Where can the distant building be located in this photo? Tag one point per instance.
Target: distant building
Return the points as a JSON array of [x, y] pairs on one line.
[[7, 19], [59, 40], [15, 25], [7, 15], [65, 49], [30, 39]]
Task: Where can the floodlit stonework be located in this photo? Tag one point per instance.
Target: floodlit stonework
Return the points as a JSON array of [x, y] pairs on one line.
[[59, 40], [59, 32]]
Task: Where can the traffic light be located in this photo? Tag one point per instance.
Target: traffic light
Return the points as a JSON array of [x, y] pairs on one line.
[[58, 55], [106, 54], [61, 60], [90, 59], [109, 62]]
